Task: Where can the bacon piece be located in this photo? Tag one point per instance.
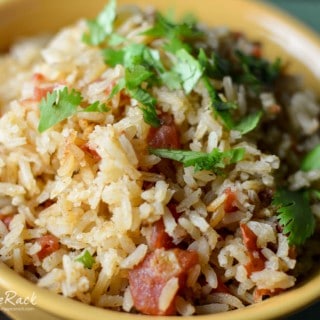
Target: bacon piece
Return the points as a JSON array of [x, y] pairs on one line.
[[260, 294], [221, 288], [91, 152], [148, 279], [49, 244], [41, 92], [229, 203], [256, 50], [159, 238], [257, 259], [6, 220], [165, 136], [38, 77]]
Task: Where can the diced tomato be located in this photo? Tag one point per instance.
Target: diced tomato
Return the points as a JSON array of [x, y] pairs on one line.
[[249, 237], [292, 252], [159, 237], [49, 244], [230, 202], [6, 220], [91, 152], [38, 77], [165, 136], [41, 92], [110, 87], [256, 50], [257, 259], [173, 209], [221, 288], [149, 278], [260, 294]]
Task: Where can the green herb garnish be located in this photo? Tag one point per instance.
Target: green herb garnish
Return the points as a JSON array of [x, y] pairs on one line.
[[223, 110], [179, 64], [295, 215], [257, 72], [312, 160], [62, 104], [101, 27], [213, 161], [86, 259], [189, 69]]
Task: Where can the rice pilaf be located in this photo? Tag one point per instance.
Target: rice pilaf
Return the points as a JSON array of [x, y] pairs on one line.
[[163, 207]]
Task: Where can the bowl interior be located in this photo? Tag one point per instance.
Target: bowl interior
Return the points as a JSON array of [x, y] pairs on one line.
[[281, 35]]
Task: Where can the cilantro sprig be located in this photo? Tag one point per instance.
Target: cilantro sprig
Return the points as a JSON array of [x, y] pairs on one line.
[[86, 259], [179, 64], [101, 27], [295, 215], [257, 73], [214, 161], [62, 104], [293, 207]]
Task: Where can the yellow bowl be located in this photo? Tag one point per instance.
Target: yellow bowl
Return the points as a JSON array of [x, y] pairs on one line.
[[281, 35]]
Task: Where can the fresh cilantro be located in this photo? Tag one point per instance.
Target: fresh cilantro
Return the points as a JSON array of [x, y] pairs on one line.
[[86, 259], [223, 108], [248, 123], [171, 79], [189, 70], [258, 72], [97, 106], [312, 160], [213, 161], [134, 54], [148, 106], [216, 67], [294, 215], [169, 30], [102, 26], [136, 75], [112, 57], [62, 104], [58, 106]]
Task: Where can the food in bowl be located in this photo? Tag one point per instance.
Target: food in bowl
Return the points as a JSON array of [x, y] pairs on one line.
[[156, 167]]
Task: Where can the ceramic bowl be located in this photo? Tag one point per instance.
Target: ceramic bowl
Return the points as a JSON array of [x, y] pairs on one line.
[[281, 35]]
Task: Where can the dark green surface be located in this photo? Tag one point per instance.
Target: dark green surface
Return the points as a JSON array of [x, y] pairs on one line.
[[307, 11]]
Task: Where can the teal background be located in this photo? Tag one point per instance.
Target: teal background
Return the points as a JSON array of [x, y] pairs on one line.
[[307, 11]]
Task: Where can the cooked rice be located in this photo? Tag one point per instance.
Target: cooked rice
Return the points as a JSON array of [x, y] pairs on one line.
[[51, 186]]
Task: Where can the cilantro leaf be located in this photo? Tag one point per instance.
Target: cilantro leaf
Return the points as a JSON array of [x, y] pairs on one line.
[[222, 109], [312, 160], [171, 79], [62, 104], [102, 26], [117, 88], [57, 106], [248, 123], [113, 57], [148, 106], [136, 75], [97, 106], [213, 161], [189, 70], [165, 28], [216, 67], [86, 259], [294, 215], [258, 72]]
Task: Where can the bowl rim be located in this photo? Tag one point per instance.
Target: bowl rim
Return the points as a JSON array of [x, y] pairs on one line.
[[300, 297]]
